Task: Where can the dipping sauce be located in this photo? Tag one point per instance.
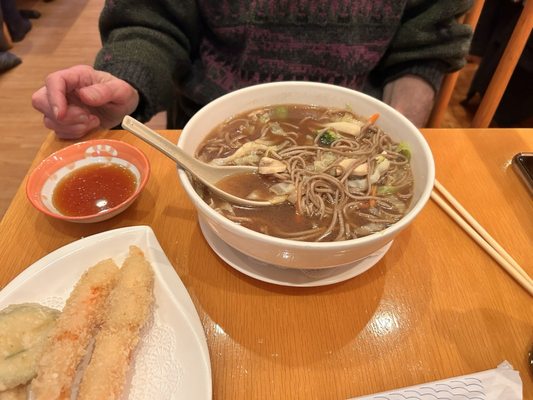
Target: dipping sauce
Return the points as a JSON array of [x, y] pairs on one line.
[[92, 189]]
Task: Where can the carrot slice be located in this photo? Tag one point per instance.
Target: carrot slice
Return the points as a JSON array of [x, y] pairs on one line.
[[373, 118], [373, 191]]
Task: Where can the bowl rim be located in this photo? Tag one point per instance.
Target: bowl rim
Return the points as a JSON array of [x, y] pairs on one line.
[[339, 245], [143, 168]]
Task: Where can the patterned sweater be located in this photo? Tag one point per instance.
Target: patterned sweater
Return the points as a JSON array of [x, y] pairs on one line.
[[182, 54]]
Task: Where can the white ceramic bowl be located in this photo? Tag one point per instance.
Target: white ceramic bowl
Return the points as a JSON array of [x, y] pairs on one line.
[[292, 253]]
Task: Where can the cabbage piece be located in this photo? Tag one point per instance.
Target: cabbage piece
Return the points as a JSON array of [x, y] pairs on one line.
[[325, 161], [282, 188], [257, 195], [404, 149], [269, 165]]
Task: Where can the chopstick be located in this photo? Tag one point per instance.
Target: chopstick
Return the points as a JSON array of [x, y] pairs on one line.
[[486, 236], [465, 220]]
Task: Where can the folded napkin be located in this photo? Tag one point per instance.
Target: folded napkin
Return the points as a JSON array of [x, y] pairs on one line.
[[501, 383]]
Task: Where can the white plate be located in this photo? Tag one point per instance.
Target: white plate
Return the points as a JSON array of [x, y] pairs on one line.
[[284, 276], [172, 360]]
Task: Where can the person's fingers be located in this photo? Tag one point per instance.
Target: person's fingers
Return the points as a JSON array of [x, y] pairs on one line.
[[39, 101], [60, 83], [114, 91], [74, 113], [79, 99], [72, 131], [95, 95]]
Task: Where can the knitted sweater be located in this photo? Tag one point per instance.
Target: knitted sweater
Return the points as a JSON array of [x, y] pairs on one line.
[[191, 52]]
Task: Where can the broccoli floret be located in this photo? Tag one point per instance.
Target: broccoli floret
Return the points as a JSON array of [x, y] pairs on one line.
[[327, 137]]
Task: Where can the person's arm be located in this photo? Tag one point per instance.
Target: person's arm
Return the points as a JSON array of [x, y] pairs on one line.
[[412, 96], [146, 46], [149, 45], [429, 43]]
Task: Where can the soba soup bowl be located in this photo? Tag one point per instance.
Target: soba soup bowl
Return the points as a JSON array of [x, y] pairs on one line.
[[300, 254]]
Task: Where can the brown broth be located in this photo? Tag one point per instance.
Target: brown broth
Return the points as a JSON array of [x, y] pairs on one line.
[[242, 185], [92, 189], [302, 124]]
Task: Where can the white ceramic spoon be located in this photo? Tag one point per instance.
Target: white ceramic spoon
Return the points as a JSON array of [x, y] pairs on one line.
[[208, 174]]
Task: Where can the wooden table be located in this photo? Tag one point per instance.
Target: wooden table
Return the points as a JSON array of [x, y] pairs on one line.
[[436, 306]]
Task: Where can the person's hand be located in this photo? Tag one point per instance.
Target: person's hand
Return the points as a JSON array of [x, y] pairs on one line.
[[412, 96], [79, 99]]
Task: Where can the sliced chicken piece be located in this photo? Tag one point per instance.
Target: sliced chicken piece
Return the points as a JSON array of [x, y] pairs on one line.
[[349, 128], [360, 170], [250, 148]]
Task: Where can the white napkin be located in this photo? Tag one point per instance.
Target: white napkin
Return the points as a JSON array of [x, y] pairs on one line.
[[501, 383]]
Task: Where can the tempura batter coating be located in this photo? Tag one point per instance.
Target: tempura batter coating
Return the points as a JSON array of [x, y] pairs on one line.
[[17, 393], [128, 308], [68, 341], [23, 332]]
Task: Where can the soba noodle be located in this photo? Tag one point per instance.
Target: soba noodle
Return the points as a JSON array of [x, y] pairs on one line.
[[332, 174]]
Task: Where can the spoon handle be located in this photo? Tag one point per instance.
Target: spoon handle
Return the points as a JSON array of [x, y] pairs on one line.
[[163, 144], [208, 176]]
